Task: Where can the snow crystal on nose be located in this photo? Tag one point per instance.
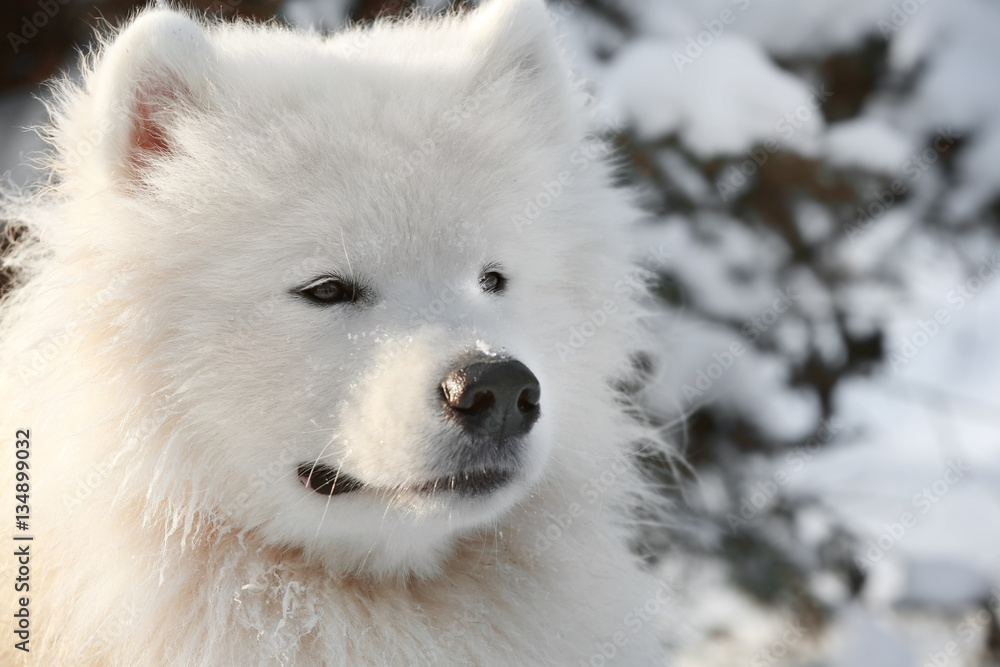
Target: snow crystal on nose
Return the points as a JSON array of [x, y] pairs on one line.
[[485, 348]]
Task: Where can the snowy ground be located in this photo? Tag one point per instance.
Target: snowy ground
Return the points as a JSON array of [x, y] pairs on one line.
[[917, 466]]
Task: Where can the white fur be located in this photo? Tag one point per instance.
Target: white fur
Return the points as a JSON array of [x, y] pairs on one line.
[[172, 382]]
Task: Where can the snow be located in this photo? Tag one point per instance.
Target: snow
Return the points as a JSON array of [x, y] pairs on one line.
[[952, 42], [783, 27], [862, 640], [867, 143], [720, 99], [939, 405], [945, 584], [707, 251]]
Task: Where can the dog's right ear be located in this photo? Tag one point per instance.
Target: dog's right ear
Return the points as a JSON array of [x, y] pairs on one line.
[[151, 73]]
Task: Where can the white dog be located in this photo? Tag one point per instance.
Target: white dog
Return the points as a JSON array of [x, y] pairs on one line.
[[316, 352]]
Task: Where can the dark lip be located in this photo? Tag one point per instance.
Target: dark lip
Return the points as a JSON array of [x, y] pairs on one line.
[[472, 483], [328, 481]]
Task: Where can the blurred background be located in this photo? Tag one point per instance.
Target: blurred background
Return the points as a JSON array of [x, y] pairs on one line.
[[823, 182]]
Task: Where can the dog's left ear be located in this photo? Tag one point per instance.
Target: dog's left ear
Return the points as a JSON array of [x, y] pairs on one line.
[[518, 44]]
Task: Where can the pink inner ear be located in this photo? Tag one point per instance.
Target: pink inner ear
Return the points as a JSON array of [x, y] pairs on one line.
[[153, 106], [147, 135]]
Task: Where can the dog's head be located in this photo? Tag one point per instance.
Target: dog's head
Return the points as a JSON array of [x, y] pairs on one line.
[[371, 273]]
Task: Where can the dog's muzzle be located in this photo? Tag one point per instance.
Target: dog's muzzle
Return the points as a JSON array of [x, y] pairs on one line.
[[494, 401]]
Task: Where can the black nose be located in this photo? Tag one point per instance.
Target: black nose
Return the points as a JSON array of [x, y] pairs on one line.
[[493, 398]]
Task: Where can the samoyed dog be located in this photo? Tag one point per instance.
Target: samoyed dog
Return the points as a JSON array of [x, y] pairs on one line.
[[316, 356]]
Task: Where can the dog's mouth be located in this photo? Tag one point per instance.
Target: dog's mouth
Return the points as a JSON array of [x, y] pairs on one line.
[[473, 483], [328, 481]]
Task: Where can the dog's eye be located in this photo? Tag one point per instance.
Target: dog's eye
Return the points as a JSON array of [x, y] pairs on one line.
[[330, 291], [493, 282]]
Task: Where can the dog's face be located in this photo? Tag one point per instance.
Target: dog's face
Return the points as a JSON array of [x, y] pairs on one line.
[[395, 367], [365, 264]]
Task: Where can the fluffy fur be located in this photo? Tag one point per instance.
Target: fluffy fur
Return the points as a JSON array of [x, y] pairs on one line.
[[172, 380]]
